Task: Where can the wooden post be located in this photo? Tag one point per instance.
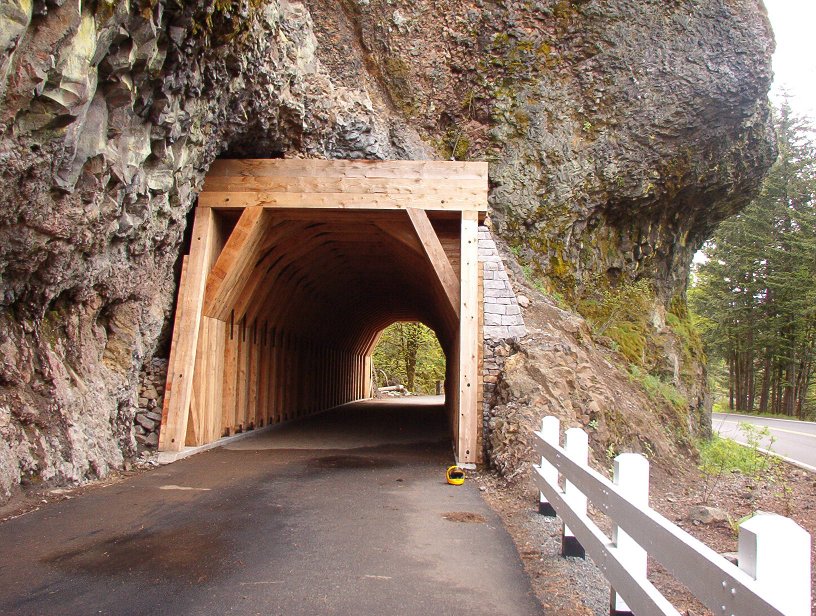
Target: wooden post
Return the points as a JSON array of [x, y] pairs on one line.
[[263, 375], [288, 376], [252, 376], [242, 380], [775, 551], [179, 385], [229, 377], [631, 475], [367, 377], [576, 446], [274, 376], [468, 339], [551, 433]]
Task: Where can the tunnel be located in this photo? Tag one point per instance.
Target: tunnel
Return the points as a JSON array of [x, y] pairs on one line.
[[296, 267]]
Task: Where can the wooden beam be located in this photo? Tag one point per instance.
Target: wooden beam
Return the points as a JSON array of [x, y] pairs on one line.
[[436, 256], [468, 341], [178, 390], [235, 264], [336, 184], [470, 200]]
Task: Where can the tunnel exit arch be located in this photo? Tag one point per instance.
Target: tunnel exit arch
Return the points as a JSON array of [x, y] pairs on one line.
[[295, 266]]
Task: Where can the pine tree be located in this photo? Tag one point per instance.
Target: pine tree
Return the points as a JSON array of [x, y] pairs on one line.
[[756, 292]]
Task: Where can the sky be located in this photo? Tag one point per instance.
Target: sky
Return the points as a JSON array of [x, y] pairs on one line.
[[794, 61]]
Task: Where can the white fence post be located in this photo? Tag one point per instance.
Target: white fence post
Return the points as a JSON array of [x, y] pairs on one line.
[[631, 475], [550, 432], [576, 446], [775, 551]]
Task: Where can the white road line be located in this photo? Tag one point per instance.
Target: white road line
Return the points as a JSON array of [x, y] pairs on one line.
[[810, 434], [807, 467]]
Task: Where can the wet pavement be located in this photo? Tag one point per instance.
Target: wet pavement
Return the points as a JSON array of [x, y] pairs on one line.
[[347, 512]]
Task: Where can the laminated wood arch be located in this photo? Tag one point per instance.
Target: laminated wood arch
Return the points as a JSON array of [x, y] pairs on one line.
[[296, 266]]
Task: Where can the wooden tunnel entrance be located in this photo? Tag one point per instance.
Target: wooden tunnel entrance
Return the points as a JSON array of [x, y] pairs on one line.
[[295, 267]]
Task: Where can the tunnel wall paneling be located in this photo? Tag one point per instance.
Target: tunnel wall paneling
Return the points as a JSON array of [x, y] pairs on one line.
[[242, 380]]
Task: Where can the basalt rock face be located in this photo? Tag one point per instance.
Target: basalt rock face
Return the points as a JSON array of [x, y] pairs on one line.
[[619, 134]]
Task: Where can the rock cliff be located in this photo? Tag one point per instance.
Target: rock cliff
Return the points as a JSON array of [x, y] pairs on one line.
[[619, 134]]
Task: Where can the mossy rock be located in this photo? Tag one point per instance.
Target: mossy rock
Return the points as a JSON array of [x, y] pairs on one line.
[[630, 340]]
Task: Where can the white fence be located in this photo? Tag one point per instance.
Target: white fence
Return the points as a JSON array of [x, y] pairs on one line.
[[773, 577]]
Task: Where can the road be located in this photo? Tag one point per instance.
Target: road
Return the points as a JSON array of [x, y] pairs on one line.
[[343, 513], [795, 440]]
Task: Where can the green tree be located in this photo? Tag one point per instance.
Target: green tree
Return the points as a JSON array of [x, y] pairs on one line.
[[756, 291], [408, 353]]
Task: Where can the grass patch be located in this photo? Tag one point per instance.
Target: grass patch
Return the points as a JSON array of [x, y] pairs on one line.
[[621, 314], [722, 455], [538, 284], [683, 325], [657, 389], [630, 340]]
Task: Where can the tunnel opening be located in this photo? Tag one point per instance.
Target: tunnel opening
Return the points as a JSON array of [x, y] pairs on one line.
[[408, 359], [295, 270]]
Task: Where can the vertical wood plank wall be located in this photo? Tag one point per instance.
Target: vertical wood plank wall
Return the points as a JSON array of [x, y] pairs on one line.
[[248, 377]]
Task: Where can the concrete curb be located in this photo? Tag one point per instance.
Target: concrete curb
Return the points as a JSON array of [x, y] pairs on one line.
[[168, 457]]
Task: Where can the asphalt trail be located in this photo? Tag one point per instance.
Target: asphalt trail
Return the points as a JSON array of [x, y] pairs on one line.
[[353, 518]]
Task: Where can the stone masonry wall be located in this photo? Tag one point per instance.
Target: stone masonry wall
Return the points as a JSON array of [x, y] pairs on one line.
[[503, 321], [151, 396]]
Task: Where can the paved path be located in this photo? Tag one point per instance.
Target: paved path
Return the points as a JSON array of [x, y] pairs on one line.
[[795, 440], [340, 521]]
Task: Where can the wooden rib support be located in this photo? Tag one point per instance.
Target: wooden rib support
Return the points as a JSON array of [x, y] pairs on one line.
[[466, 445], [235, 264], [178, 390], [436, 256]]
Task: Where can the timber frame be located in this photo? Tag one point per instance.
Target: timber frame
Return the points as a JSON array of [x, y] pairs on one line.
[[296, 266]]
